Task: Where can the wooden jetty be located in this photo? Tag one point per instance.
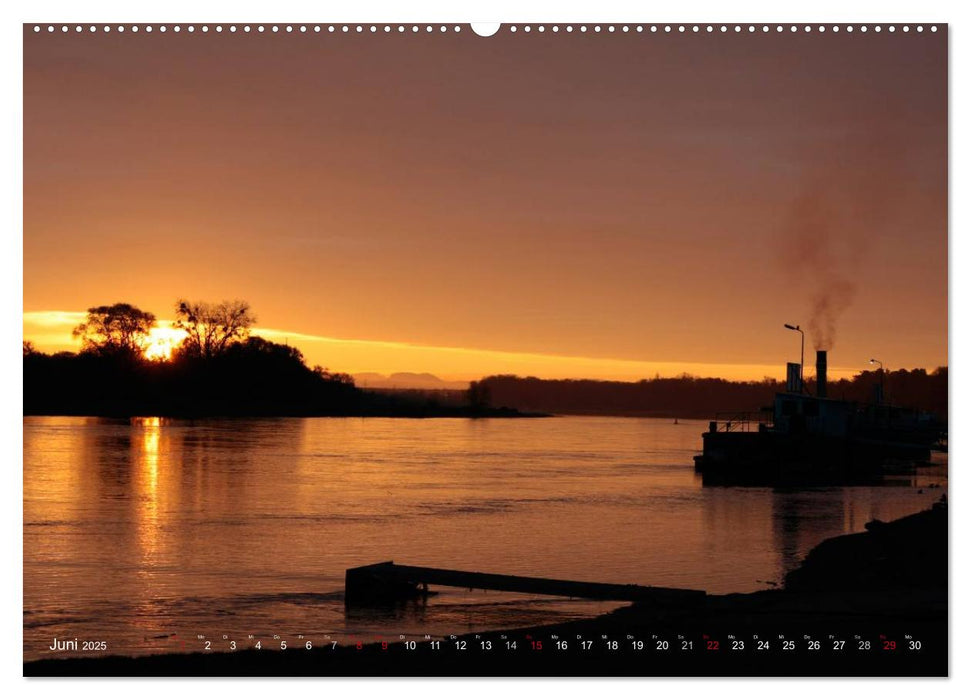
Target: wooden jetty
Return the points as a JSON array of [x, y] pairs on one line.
[[387, 582]]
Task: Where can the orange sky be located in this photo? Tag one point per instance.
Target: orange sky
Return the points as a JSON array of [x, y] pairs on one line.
[[558, 205]]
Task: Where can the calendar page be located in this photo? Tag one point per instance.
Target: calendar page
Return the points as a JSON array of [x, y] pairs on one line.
[[516, 349]]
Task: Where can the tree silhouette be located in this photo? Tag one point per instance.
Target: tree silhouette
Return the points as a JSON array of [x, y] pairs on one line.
[[328, 376], [212, 328], [116, 329], [479, 394]]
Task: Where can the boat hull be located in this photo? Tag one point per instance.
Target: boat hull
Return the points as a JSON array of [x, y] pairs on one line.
[[770, 458]]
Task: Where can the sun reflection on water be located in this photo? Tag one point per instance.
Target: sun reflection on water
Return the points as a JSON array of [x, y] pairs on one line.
[[146, 478]]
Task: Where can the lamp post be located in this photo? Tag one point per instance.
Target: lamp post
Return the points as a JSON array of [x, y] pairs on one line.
[[802, 351], [877, 362]]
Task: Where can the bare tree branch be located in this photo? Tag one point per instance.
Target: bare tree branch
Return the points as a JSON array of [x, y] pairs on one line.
[[212, 328]]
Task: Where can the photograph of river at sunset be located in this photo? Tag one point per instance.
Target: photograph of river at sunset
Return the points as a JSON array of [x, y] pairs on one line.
[[567, 350]]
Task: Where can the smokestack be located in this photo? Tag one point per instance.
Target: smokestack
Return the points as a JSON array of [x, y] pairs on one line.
[[821, 374]]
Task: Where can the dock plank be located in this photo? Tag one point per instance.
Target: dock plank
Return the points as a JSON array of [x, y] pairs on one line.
[[387, 580]]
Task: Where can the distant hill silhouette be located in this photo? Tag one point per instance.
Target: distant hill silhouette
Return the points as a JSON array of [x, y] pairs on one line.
[[694, 397], [406, 380]]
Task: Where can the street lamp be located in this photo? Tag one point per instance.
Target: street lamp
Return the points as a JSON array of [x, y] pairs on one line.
[[877, 362], [802, 351]]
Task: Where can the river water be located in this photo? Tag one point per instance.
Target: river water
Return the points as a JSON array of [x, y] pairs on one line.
[[149, 532]]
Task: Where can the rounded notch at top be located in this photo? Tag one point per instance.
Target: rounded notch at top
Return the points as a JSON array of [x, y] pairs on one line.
[[485, 28]]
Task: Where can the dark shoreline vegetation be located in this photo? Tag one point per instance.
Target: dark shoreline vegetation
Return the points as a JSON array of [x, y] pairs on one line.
[[253, 378], [891, 579], [218, 369], [687, 396]]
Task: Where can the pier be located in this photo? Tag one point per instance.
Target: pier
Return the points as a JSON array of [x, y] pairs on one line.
[[387, 582]]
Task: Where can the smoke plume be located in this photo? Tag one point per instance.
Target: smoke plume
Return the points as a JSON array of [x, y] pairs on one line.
[[826, 307], [840, 206]]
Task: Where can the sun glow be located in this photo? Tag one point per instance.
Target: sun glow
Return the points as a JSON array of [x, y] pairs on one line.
[[162, 342], [51, 332]]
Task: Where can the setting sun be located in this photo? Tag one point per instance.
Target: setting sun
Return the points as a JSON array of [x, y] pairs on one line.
[[162, 342]]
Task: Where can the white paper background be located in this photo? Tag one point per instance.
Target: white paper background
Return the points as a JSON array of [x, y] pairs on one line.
[[603, 11]]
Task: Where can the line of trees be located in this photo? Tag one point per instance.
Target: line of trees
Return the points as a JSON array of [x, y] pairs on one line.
[[696, 397], [218, 368], [123, 329], [212, 330]]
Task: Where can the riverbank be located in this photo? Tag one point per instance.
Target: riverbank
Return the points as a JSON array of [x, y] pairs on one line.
[[886, 587], [251, 378]]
